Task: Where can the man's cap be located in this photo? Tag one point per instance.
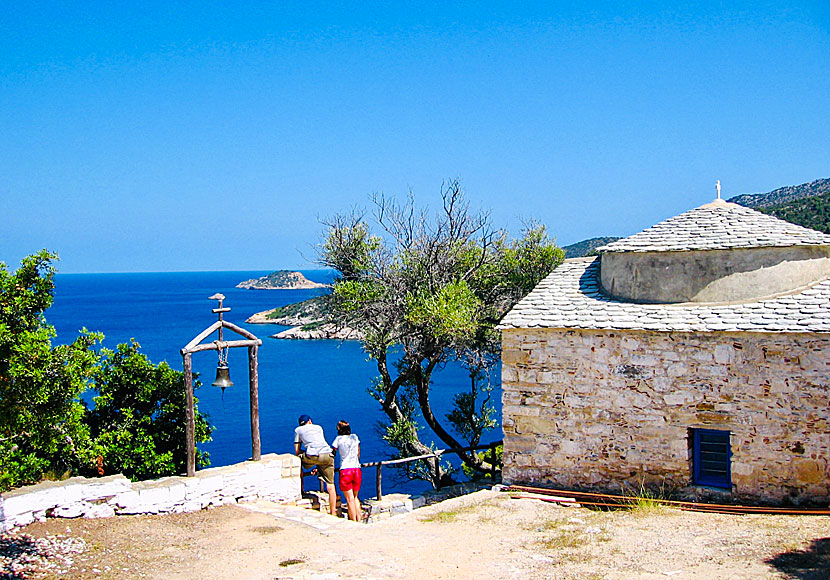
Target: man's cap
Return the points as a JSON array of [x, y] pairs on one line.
[[303, 419]]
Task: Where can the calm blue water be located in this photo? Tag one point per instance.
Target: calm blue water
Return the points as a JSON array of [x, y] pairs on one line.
[[325, 378]]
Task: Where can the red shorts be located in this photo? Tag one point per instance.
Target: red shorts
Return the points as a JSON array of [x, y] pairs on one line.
[[350, 479]]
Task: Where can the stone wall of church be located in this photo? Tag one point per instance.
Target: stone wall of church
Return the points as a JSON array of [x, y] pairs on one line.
[[612, 410]]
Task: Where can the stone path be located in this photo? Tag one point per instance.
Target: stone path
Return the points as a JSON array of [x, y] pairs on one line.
[[322, 522]]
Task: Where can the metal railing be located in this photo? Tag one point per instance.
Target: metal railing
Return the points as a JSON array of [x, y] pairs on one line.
[[435, 455]]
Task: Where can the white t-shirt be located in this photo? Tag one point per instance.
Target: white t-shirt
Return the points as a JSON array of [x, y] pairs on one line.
[[312, 437], [347, 446]]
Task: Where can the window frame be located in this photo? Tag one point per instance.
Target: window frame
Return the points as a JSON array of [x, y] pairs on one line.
[[699, 477]]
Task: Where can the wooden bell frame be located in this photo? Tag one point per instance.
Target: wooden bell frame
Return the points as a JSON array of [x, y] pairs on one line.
[[253, 343]]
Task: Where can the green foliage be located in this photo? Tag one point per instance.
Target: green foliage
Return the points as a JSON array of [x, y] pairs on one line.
[[486, 462], [450, 313], [350, 247], [587, 247], [530, 259], [647, 498], [41, 418], [430, 291], [473, 413], [810, 212], [352, 295], [313, 308], [45, 428], [137, 423]]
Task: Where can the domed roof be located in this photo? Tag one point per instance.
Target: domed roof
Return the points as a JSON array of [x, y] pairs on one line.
[[571, 298], [718, 267], [718, 225]]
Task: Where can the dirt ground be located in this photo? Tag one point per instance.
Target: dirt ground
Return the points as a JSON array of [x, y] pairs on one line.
[[483, 535]]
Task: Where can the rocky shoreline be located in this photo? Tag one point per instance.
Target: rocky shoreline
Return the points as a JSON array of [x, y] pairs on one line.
[[297, 330], [262, 318], [324, 331]]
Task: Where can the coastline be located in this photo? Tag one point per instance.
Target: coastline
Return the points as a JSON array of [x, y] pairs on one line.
[[299, 332], [323, 332]]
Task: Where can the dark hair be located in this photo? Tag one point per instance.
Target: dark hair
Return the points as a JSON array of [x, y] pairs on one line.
[[303, 419], [343, 428]]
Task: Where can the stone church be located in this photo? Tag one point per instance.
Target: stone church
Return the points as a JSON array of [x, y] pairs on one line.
[[694, 355]]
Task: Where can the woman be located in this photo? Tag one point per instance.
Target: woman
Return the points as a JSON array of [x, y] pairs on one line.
[[347, 445]]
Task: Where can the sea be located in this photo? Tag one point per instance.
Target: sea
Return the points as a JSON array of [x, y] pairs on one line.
[[326, 379]]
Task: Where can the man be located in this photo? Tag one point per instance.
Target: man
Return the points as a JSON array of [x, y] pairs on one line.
[[317, 454]]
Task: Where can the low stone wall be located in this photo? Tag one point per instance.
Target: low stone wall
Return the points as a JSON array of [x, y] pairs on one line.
[[274, 477], [612, 409]]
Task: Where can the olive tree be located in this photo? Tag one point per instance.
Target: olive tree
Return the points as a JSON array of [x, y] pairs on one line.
[[424, 290]]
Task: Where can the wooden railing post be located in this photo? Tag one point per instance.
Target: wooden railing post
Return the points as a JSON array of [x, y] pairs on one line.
[[437, 474], [493, 461], [377, 480]]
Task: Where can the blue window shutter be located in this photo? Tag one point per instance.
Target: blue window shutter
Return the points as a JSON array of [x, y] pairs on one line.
[[711, 458]]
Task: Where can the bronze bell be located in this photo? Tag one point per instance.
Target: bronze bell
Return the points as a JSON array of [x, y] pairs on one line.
[[223, 376]]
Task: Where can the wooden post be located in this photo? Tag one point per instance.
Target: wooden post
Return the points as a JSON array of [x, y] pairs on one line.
[[437, 467], [377, 481], [253, 381], [189, 416], [493, 461]]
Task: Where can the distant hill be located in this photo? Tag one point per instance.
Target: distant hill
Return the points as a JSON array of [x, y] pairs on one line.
[[783, 195], [810, 212], [586, 247], [806, 205], [280, 280]]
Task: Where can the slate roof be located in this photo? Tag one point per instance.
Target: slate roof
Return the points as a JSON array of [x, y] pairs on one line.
[[716, 226], [570, 297]]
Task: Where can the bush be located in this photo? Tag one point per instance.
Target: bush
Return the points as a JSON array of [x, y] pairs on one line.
[[137, 423], [41, 416]]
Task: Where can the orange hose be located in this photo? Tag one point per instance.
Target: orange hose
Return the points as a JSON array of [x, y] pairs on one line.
[[617, 501]]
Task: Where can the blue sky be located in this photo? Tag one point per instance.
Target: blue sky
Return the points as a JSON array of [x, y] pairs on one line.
[[214, 135]]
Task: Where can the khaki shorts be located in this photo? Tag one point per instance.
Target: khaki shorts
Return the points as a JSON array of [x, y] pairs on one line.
[[324, 464]]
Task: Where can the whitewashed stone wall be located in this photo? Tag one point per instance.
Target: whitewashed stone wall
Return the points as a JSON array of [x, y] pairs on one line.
[[274, 477], [609, 410]]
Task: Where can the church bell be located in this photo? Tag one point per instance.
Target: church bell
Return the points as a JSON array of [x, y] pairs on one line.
[[223, 376]]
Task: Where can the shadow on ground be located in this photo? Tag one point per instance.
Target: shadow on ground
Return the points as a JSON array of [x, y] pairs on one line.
[[812, 563], [15, 550]]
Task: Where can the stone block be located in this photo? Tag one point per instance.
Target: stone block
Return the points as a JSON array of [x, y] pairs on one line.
[[158, 495], [105, 487], [205, 483], [74, 510], [509, 374], [677, 370], [21, 519], [521, 444], [522, 410], [742, 469], [538, 425], [514, 357], [809, 471], [680, 398], [724, 353], [572, 448], [31, 499], [189, 506], [99, 511]]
